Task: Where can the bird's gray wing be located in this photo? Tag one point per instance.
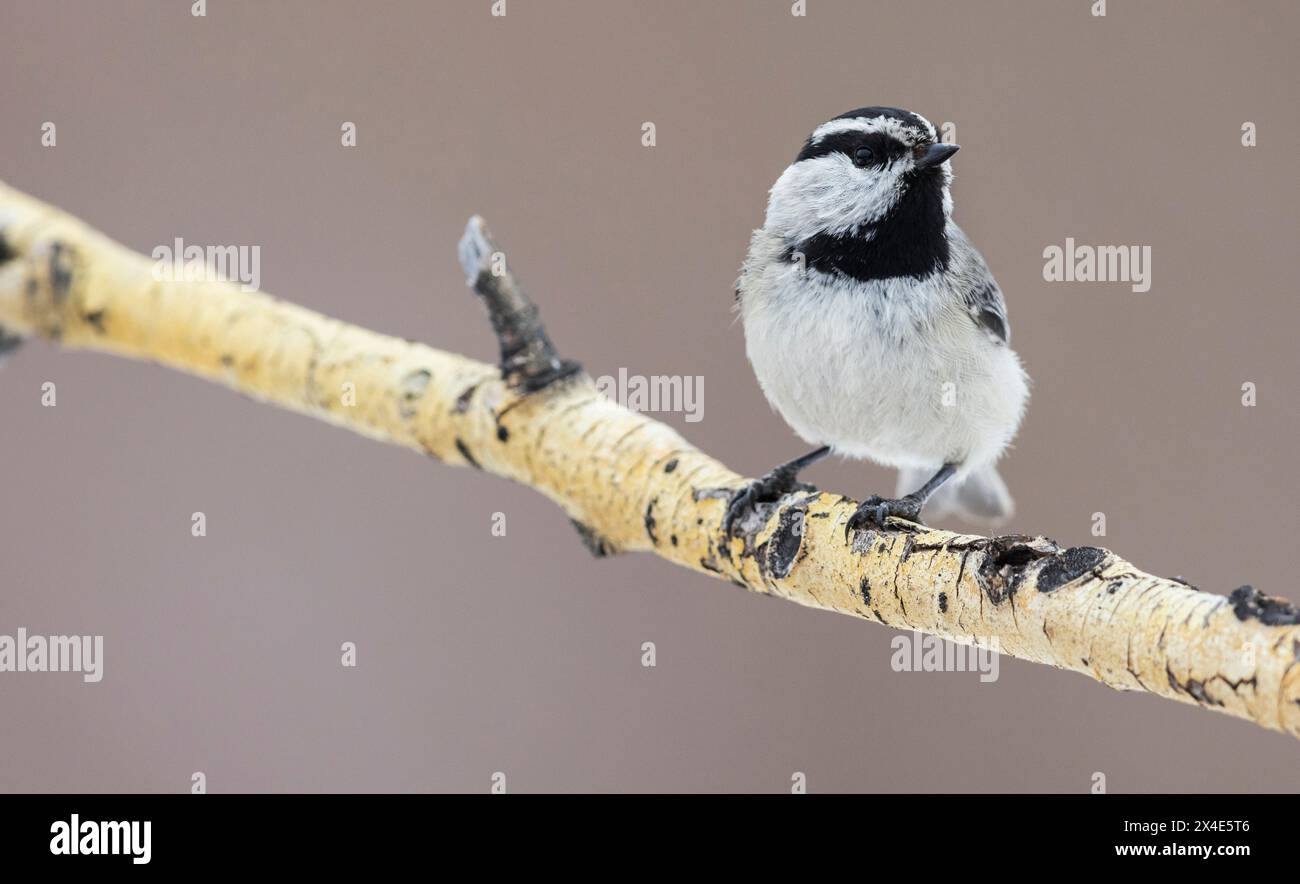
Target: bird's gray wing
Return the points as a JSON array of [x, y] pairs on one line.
[[988, 309], [977, 288]]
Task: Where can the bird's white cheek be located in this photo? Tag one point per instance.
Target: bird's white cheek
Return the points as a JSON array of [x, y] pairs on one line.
[[828, 195]]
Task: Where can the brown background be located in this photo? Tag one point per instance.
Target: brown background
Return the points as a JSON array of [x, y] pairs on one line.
[[521, 654]]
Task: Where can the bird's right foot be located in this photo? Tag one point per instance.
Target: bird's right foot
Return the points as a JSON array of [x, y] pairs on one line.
[[770, 488]]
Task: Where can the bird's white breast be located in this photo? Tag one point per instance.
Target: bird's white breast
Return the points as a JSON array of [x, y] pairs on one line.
[[893, 370]]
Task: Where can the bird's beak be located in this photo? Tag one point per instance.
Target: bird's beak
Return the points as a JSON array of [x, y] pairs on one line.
[[935, 154]]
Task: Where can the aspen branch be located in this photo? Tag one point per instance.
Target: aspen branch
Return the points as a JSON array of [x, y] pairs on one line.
[[630, 483]]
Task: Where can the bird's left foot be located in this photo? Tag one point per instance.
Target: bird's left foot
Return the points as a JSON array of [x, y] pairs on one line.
[[875, 510], [772, 487]]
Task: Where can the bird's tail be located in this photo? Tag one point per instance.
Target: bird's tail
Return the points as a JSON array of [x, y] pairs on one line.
[[982, 497]]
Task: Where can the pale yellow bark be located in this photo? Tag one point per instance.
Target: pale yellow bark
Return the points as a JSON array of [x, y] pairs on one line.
[[635, 484]]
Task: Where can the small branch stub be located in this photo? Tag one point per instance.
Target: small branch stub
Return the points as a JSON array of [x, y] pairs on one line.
[[528, 359]]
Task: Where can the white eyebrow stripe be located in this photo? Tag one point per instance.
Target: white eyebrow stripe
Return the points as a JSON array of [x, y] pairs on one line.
[[934, 133], [895, 128], [849, 125]]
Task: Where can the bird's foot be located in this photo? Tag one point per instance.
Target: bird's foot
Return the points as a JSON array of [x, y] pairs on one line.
[[875, 510], [770, 488]]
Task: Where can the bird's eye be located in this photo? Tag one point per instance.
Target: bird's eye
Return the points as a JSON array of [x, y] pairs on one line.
[[862, 156]]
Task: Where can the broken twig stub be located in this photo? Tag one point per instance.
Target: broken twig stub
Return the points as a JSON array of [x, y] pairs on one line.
[[528, 359]]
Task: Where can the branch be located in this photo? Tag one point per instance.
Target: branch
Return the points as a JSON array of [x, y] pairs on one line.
[[631, 483]]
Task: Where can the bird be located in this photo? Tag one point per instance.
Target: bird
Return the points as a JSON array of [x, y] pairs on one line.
[[876, 329]]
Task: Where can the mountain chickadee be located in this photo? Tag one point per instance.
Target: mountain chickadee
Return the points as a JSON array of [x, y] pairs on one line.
[[875, 328]]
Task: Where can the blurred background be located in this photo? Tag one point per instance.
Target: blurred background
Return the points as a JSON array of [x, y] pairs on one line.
[[521, 654]]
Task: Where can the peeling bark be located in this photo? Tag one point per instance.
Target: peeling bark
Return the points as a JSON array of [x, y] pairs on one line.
[[630, 483]]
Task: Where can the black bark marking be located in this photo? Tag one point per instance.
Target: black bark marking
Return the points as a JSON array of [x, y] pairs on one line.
[[710, 565], [865, 587], [1197, 690], [1136, 677], [902, 606], [462, 401], [782, 548], [673, 539], [503, 435], [1068, 566], [943, 602], [595, 543], [61, 259], [961, 571], [650, 520], [95, 318], [1248, 602], [670, 466], [1194, 689], [464, 452], [1236, 685], [413, 387], [7, 252], [1006, 559]]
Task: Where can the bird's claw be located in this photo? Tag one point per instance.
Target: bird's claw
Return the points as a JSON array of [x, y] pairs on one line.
[[875, 510], [769, 489]]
